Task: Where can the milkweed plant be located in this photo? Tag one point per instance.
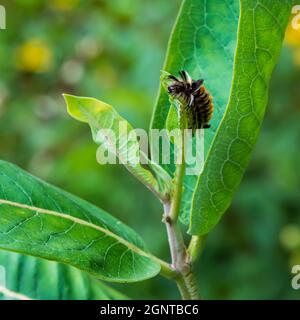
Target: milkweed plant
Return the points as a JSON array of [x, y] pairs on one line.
[[211, 102]]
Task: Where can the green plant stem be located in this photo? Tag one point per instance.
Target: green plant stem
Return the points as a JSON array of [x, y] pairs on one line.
[[175, 207], [175, 239], [195, 248], [181, 265], [166, 270], [171, 210], [179, 175], [188, 287], [181, 262], [184, 292]]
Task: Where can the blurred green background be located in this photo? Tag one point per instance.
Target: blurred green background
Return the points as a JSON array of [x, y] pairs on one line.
[[114, 50]]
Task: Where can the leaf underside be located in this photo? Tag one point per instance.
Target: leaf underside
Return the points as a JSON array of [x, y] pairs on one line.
[[38, 279], [41, 220]]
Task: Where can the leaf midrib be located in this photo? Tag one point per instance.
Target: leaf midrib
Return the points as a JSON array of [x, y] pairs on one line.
[[78, 221]]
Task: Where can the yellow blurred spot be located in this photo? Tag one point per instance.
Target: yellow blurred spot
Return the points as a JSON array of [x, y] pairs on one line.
[[290, 237], [33, 56], [292, 36], [63, 5]]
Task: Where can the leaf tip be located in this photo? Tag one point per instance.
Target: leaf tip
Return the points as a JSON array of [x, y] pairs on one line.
[[68, 97], [83, 108], [72, 103]]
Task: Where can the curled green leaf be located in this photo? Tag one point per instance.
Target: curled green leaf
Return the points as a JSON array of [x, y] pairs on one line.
[[115, 135]]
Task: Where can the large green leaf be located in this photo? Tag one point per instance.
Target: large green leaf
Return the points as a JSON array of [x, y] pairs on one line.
[[41, 220], [261, 31], [203, 43], [123, 142], [33, 278], [234, 46]]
